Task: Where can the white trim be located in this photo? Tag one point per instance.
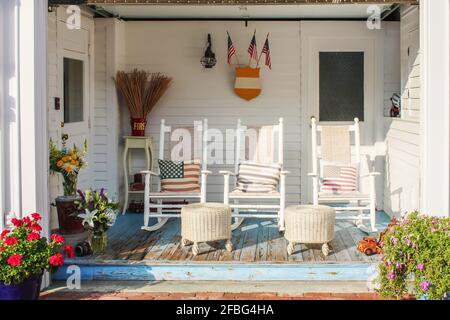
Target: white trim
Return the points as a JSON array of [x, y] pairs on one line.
[[435, 116], [2, 119]]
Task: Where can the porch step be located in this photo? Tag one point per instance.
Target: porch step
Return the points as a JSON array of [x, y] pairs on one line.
[[218, 272], [297, 287]]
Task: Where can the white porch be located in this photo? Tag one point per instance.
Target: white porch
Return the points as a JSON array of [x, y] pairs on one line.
[[412, 152]]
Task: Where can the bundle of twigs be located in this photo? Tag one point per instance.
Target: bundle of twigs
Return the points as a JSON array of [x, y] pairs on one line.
[[141, 91]]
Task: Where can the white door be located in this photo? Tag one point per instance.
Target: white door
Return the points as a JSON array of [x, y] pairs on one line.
[[74, 88], [339, 49]]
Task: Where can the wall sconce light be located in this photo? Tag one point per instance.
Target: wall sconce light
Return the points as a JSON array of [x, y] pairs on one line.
[[209, 58]]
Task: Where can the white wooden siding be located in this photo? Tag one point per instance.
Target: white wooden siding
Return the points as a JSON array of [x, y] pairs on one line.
[[410, 61], [100, 123], [197, 93], [402, 177], [402, 168]]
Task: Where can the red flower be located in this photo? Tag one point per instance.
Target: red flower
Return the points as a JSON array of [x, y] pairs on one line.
[[33, 236], [36, 216], [56, 260], [26, 220], [15, 260], [35, 227], [69, 251], [16, 222], [4, 233], [57, 238], [10, 241]]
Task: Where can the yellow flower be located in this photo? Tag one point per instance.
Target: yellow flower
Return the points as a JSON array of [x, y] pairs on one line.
[[74, 162], [74, 156], [68, 168], [60, 163]]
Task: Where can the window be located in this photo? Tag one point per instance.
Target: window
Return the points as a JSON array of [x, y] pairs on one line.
[[73, 90], [341, 86]]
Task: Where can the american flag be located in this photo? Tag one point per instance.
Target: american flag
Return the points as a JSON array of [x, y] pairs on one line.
[[266, 51], [231, 50], [339, 179], [252, 51]]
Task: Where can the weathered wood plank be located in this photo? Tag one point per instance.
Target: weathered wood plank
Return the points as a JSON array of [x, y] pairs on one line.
[[249, 245], [262, 241], [255, 241], [162, 243]]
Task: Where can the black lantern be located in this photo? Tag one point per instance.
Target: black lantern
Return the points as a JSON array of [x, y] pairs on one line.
[[209, 59]]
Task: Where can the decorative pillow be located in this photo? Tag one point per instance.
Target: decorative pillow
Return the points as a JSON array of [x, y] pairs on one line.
[[258, 177], [189, 180], [338, 177], [170, 169]]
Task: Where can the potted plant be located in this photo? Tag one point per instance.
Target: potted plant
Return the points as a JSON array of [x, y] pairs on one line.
[[140, 91], [25, 255], [68, 162], [416, 258], [99, 215]]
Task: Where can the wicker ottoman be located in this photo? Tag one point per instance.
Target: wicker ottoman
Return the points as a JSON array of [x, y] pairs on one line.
[[309, 224], [202, 222]]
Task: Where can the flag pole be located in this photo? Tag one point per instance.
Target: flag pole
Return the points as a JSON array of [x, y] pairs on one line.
[[250, 60], [260, 55], [235, 53]]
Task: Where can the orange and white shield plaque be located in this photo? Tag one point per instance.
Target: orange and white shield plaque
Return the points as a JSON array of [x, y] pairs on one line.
[[248, 85]]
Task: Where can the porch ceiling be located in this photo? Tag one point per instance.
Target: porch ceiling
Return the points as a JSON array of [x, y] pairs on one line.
[[241, 9]]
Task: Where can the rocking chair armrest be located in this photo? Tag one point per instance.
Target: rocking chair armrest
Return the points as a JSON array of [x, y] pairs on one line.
[[284, 172], [206, 172], [313, 175], [150, 173], [227, 173], [371, 174]]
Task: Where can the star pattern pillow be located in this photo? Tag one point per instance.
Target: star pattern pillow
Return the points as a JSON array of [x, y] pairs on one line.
[[171, 169]]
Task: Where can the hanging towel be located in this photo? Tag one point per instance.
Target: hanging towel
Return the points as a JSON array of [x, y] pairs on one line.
[[335, 141]]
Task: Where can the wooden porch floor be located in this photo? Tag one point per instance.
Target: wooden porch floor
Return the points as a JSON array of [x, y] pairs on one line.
[[257, 240]]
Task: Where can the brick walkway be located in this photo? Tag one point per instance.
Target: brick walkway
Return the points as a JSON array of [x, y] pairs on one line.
[[206, 296]]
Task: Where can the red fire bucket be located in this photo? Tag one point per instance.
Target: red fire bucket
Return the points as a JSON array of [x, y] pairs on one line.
[[138, 127]]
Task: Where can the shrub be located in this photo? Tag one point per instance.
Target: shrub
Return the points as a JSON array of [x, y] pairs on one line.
[[416, 251]]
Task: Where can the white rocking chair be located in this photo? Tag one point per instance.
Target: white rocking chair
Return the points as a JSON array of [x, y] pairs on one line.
[[257, 198], [173, 210], [335, 147]]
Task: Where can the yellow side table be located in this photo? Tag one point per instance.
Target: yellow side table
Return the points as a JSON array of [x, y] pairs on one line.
[[131, 142]]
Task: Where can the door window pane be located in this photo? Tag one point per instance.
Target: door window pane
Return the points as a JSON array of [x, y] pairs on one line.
[[73, 90], [341, 86]]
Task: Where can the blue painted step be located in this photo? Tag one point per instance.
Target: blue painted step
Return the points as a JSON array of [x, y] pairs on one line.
[[222, 272]]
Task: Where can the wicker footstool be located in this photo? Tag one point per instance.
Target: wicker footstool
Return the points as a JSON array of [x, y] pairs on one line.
[[202, 222], [309, 224]]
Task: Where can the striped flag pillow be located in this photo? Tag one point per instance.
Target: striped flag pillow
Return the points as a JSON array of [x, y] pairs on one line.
[[258, 177], [339, 178], [190, 182]]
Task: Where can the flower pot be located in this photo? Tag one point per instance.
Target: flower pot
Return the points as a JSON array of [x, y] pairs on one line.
[[138, 126], [27, 290], [69, 222], [99, 242]]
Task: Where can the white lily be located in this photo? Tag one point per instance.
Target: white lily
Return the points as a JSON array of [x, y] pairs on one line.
[[111, 215], [88, 217]]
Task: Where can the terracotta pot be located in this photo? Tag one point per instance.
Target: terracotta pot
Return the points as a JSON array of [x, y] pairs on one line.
[[138, 126], [69, 223]]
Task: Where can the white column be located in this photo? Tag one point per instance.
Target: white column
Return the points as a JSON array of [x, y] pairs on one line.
[[435, 114], [2, 115]]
